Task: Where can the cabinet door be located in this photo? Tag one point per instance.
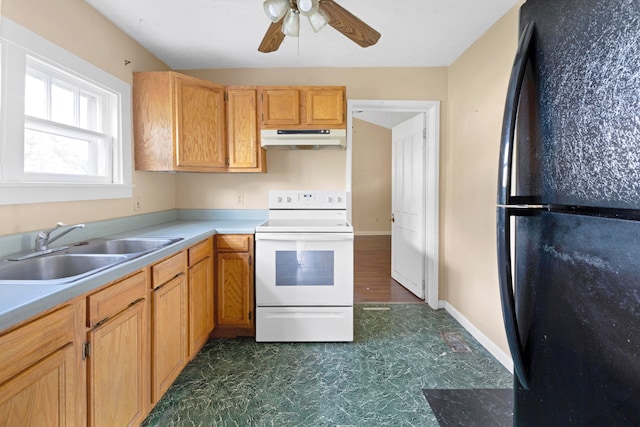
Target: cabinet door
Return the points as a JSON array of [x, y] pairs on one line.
[[41, 395], [42, 379], [118, 366], [200, 305], [243, 143], [200, 127], [169, 335], [324, 107], [280, 106], [235, 290]]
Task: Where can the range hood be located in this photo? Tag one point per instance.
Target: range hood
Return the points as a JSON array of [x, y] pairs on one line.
[[303, 138]]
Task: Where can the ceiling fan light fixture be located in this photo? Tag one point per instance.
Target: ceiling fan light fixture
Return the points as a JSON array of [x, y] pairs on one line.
[[307, 7], [318, 20], [275, 9], [291, 24]]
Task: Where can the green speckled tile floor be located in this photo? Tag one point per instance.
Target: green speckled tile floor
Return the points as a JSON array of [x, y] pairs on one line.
[[375, 381]]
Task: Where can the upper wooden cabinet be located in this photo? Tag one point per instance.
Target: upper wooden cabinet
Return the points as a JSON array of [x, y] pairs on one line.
[[179, 123], [303, 107], [243, 137]]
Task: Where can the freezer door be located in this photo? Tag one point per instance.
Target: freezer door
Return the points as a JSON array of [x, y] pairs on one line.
[[578, 130], [577, 297]]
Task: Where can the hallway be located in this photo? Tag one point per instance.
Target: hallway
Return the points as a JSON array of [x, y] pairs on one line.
[[372, 273]]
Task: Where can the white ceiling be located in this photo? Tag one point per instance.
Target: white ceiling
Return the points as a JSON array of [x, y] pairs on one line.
[[386, 119], [192, 34]]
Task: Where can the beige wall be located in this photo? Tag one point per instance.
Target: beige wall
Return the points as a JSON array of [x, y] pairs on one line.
[[371, 178], [286, 170], [477, 87], [75, 26]]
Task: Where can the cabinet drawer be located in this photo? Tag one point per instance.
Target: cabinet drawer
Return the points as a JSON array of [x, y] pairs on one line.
[[233, 242], [199, 252], [166, 270], [28, 344], [115, 298]]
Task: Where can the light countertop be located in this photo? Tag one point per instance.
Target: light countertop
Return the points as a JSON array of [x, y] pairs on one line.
[[21, 302]]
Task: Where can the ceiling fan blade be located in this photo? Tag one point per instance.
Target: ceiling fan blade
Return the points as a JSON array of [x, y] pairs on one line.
[[349, 25], [273, 38]]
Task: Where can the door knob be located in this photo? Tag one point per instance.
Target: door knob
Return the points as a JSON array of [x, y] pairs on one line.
[[393, 218]]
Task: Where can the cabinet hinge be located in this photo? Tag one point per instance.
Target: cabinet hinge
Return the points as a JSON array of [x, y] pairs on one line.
[[86, 350]]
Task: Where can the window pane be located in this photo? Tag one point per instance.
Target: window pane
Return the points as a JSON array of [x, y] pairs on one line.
[[47, 153], [89, 112], [62, 104], [35, 99]]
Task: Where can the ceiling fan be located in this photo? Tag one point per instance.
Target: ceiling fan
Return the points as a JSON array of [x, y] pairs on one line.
[[285, 17]]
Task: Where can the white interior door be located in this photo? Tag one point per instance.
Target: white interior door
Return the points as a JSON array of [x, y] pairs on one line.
[[408, 200]]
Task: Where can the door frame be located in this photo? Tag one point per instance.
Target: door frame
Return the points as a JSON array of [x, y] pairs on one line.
[[432, 162]]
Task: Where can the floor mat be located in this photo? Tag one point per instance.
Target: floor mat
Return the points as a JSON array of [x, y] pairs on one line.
[[471, 407]]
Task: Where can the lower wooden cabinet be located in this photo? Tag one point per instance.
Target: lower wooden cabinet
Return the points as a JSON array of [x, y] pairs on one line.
[[106, 358], [117, 353], [201, 303], [41, 373], [169, 324], [235, 304]]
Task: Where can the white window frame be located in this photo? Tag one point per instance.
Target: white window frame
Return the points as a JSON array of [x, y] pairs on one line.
[[16, 43]]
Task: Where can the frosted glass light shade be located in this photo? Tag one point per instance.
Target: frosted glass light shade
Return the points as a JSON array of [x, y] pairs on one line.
[[307, 7], [318, 20], [291, 24], [275, 9]]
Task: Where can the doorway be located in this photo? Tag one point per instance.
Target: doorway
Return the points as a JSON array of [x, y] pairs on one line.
[[389, 114]]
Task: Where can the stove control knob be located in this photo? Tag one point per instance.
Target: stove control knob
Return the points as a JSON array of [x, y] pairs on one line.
[[279, 199], [338, 199], [288, 199], [329, 199]]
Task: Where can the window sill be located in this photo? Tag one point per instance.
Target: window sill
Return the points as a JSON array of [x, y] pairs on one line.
[[27, 193]]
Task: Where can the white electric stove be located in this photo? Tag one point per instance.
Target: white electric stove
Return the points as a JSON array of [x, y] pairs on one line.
[[304, 268]]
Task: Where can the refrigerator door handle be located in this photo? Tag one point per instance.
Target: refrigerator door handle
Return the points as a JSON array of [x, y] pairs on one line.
[[504, 198], [510, 114], [507, 296]]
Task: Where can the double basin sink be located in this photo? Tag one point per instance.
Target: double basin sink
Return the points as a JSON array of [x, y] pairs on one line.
[[65, 265]]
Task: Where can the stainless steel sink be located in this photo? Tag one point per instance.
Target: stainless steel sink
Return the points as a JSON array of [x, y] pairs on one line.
[[120, 246], [56, 269], [83, 259]]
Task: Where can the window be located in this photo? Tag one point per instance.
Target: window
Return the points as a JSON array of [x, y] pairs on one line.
[[66, 128], [67, 135]]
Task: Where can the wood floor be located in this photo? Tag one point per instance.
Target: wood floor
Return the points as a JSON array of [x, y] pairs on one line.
[[372, 273]]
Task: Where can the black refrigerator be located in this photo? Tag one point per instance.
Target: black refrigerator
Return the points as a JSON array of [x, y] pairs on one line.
[[568, 214]]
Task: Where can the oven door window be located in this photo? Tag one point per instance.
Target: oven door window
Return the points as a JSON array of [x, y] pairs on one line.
[[304, 268]]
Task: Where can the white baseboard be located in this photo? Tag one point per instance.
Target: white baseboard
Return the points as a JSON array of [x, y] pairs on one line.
[[372, 233], [495, 351]]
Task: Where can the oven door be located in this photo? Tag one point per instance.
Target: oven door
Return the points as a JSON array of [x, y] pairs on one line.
[[304, 269]]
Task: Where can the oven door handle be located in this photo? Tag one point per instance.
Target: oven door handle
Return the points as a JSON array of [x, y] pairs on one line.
[[306, 237]]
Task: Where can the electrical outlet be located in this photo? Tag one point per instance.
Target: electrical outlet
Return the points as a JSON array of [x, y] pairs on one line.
[[239, 199], [136, 203]]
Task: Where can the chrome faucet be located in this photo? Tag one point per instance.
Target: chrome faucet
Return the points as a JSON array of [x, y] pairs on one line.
[[43, 239]]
